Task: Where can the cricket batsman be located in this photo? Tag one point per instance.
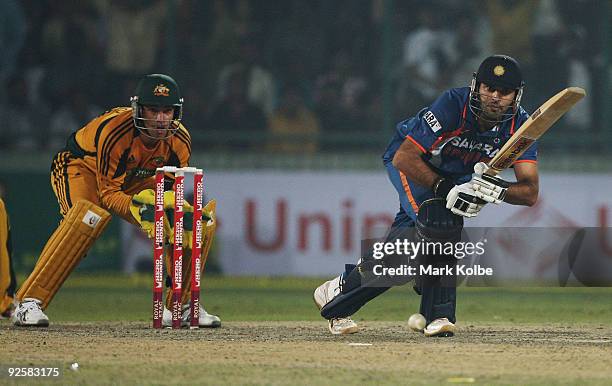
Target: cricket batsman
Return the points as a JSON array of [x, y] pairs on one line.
[[108, 167], [431, 161]]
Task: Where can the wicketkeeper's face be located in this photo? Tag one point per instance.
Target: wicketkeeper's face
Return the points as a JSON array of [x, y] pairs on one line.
[[157, 120], [495, 101]]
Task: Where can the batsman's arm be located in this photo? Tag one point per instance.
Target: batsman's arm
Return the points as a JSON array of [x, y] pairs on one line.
[[407, 159], [459, 199], [525, 190]]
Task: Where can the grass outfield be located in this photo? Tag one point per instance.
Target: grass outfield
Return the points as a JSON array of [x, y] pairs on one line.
[[272, 334], [123, 298]]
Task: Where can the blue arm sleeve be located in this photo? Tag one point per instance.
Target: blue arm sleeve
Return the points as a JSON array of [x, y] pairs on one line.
[[442, 116]]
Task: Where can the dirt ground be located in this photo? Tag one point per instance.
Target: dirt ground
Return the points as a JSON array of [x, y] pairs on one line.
[[305, 353]]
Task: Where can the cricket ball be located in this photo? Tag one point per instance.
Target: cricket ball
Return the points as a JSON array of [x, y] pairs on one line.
[[416, 322]]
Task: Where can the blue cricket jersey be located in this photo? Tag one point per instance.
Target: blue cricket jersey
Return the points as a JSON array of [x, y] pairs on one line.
[[447, 132]]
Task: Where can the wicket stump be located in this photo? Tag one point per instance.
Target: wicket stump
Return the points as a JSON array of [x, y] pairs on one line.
[[176, 271]]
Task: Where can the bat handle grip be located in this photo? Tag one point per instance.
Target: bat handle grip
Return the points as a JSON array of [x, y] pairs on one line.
[[482, 168]]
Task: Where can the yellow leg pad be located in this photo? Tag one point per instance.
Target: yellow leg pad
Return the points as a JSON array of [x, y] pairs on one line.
[[209, 230], [5, 303], [82, 225], [5, 255]]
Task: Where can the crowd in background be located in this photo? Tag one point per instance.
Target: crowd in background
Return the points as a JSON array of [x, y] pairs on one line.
[[259, 73]]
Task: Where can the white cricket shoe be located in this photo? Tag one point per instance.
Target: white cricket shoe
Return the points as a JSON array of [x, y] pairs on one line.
[[208, 320], [342, 326], [29, 313], [323, 295], [440, 327], [167, 318], [205, 319]]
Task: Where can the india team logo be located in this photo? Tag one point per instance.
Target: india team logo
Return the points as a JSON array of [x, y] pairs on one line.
[[161, 90], [499, 70]]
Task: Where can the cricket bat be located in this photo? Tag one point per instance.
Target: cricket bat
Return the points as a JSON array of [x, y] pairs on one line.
[[534, 127]]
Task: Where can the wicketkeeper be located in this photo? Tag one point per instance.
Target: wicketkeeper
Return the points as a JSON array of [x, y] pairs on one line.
[[108, 167], [431, 162]]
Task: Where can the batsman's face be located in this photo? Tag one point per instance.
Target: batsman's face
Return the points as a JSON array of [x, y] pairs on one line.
[[157, 120], [494, 101]]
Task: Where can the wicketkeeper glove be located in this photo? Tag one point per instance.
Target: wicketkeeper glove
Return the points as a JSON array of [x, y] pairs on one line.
[[187, 220], [488, 188], [142, 208]]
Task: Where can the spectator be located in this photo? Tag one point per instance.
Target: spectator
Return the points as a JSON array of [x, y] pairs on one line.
[[31, 62], [134, 38], [579, 116], [296, 126], [222, 45], [587, 65], [235, 114], [20, 119], [12, 36], [511, 25], [427, 55], [327, 105], [339, 95], [296, 46], [73, 49], [260, 82], [348, 25], [73, 114], [471, 42], [549, 38]]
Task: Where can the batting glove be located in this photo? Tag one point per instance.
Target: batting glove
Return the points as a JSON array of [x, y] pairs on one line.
[[488, 188], [460, 199]]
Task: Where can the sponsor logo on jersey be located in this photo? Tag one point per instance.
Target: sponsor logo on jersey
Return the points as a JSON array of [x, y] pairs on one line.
[[472, 145], [469, 151], [432, 121], [161, 90], [140, 173]]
